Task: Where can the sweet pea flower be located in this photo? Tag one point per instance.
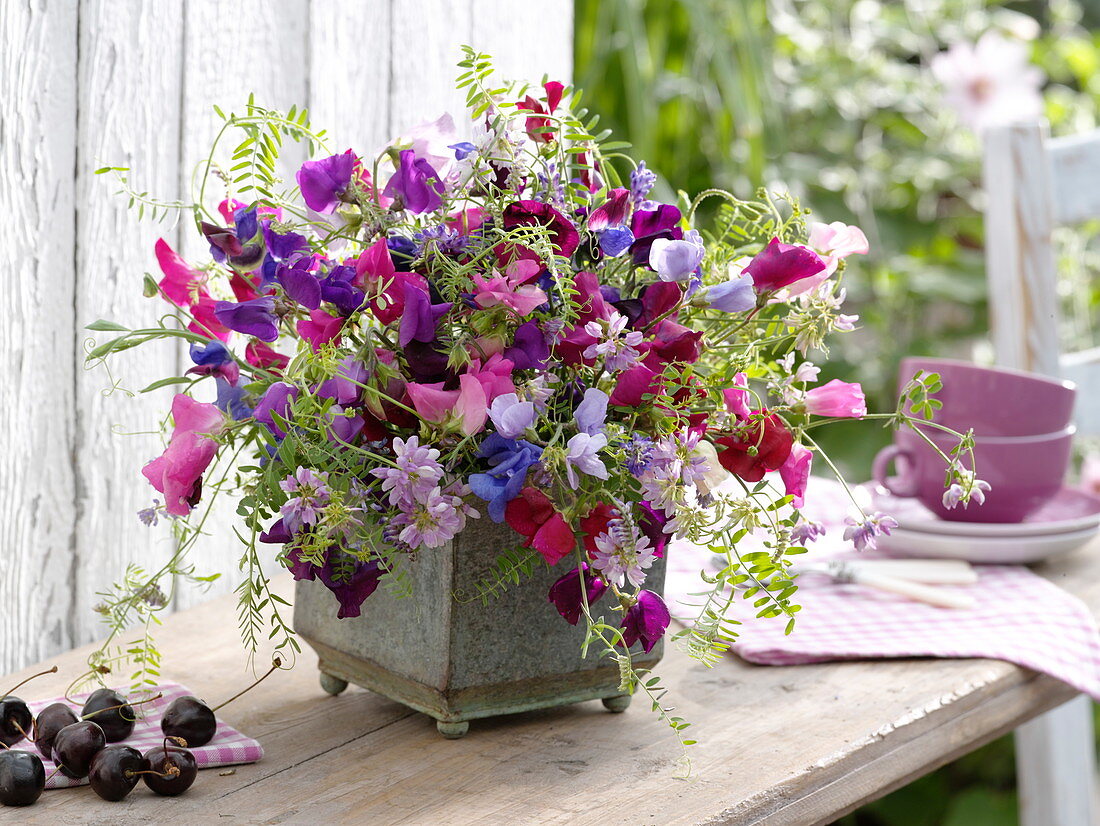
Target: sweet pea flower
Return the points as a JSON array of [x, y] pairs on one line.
[[633, 384], [276, 399], [591, 413], [795, 473], [495, 376], [510, 290], [612, 212], [736, 397], [836, 241], [582, 453], [737, 295], [645, 620], [614, 241], [763, 443], [320, 328], [509, 460], [177, 473], [465, 408], [254, 318], [532, 515], [419, 316], [260, 355], [563, 234], [214, 359], [837, 398], [529, 350], [299, 283], [324, 182], [186, 287], [415, 185], [351, 592], [537, 123], [648, 225], [511, 416], [565, 593], [677, 260], [779, 265]]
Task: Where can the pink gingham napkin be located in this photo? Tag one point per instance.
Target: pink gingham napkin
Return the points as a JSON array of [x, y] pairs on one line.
[[1019, 616], [229, 746]]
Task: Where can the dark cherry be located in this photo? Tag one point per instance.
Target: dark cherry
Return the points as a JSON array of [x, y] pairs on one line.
[[189, 718], [15, 718], [193, 720], [76, 745], [172, 769], [115, 770], [22, 778], [48, 723], [110, 710]]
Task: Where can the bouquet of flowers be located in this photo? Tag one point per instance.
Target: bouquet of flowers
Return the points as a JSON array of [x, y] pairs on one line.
[[498, 322]]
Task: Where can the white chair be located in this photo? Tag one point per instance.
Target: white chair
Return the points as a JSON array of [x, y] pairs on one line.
[[1034, 184]]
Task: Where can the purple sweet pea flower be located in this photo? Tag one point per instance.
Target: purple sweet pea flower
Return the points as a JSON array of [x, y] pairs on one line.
[[645, 620], [529, 350], [591, 413], [300, 284], [650, 224], [351, 591], [346, 386], [734, 296], [420, 316], [284, 246], [509, 460], [337, 288], [676, 260], [277, 534], [511, 416], [415, 185], [324, 182], [343, 429], [231, 399], [254, 318], [565, 594], [779, 264], [277, 399], [614, 241]]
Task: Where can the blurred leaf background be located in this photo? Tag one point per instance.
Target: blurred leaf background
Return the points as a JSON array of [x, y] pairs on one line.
[[833, 101]]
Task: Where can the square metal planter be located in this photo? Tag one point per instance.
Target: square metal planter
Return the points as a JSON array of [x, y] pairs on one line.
[[457, 661]]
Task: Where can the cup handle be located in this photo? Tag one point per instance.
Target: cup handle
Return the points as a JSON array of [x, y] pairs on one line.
[[902, 485]]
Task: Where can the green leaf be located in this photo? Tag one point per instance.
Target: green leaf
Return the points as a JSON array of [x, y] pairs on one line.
[[165, 383]]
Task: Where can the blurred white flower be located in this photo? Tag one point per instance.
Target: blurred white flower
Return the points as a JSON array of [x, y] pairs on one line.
[[991, 82]]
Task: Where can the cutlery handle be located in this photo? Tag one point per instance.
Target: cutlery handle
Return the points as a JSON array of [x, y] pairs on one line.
[[928, 571], [940, 597]]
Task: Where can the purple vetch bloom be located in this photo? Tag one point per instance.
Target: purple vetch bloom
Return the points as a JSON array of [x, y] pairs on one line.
[[448, 241], [864, 534], [734, 296], [415, 185], [416, 473], [965, 490], [150, 516], [565, 594], [623, 554], [676, 260], [310, 495], [639, 453], [583, 454], [324, 182], [511, 416], [462, 149], [642, 181], [253, 318], [615, 344], [591, 413], [806, 531], [429, 523], [645, 620]]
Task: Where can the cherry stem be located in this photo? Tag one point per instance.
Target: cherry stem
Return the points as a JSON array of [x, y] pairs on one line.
[[92, 714], [275, 663], [179, 741], [19, 728], [173, 771], [51, 774], [39, 674]]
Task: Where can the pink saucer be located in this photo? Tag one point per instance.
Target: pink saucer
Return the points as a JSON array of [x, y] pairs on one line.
[[1069, 510]]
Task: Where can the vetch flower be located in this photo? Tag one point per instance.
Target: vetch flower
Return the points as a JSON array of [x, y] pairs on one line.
[[965, 490], [806, 531], [565, 593], [837, 398], [177, 473], [430, 523], [415, 474], [308, 493], [582, 453], [642, 180], [645, 620], [616, 345], [864, 534], [623, 554], [779, 265]]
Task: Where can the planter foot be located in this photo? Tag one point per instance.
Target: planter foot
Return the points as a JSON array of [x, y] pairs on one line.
[[452, 731], [332, 685], [617, 704]]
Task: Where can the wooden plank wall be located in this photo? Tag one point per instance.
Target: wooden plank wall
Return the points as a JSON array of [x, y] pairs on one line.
[[131, 83]]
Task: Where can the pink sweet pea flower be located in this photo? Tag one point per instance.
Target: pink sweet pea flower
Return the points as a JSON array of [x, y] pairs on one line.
[[185, 287], [177, 473], [779, 265], [736, 397], [612, 212], [837, 398], [376, 275], [795, 473], [495, 377], [320, 328], [832, 241], [466, 407], [511, 290]]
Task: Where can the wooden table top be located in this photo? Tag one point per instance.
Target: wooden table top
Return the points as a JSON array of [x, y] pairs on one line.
[[778, 745]]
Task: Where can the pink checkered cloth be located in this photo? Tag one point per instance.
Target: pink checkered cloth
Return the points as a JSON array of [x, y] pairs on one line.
[[1019, 617], [229, 746]]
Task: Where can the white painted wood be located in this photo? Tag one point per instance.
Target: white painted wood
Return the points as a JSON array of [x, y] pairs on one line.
[[1075, 165], [37, 494], [1032, 184], [130, 54], [232, 48], [1055, 782], [506, 30]]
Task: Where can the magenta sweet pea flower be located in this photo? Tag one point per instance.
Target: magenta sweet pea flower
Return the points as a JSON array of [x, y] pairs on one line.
[[633, 384], [795, 473], [511, 290], [612, 212], [415, 185], [737, 397], [564, 235], [324, 182], [320, 328], [837, 398], [779, 265], [645, 620], [177, 473], [495, 376], [565, 594]]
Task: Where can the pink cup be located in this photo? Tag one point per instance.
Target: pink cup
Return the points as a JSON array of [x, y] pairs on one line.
[[995, 401], [1025, 472]]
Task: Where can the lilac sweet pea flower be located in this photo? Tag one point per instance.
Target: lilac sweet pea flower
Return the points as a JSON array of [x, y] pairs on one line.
[[565, 594], [231, 400], [645, 620], [582, 453], [734, 296], [591, 413], [254, 318], [324, 182], [511, 416], [676, 260], [415, 184]]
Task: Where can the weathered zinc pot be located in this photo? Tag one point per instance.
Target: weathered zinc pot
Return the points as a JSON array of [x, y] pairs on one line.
[[457, 661]]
